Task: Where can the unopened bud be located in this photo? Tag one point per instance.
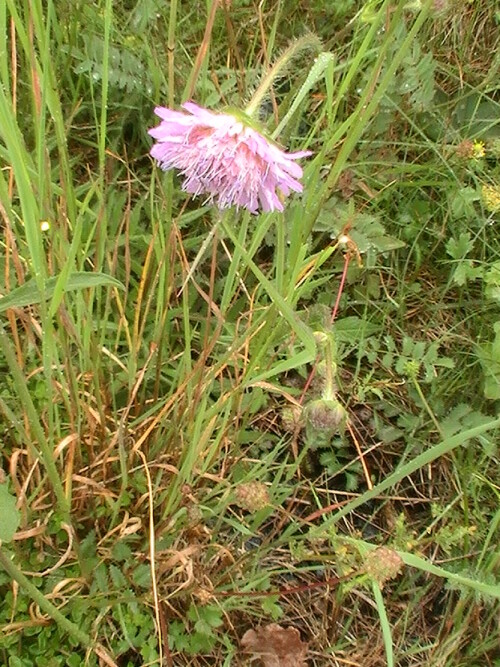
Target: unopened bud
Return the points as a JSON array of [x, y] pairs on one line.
[[325, 415]]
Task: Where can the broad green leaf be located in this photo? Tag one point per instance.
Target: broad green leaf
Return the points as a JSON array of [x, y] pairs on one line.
[[9, 522], [349, 328], [461, 247], [387, 243], [29, 294]]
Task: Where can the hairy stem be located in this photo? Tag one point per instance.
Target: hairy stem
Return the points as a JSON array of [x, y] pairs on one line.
[[306, 42]]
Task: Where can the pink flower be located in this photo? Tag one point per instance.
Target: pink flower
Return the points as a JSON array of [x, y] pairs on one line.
[[222, 157]]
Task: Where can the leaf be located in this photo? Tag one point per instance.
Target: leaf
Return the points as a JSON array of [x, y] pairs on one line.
[[351, 328], [452, 423], [492, 282], [386, 243], [29, 294], [142, 576], [461, 247], [489, 356], [462, 203], [9, 522], [275, 646], [119, 580], [465, 271], [476, 116], [271, 607]]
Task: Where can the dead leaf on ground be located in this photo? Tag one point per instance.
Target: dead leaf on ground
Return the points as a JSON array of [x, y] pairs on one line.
[[275, 646]]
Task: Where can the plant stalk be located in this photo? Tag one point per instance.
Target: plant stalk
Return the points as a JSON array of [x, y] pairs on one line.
[[71, 628], [306, 42]]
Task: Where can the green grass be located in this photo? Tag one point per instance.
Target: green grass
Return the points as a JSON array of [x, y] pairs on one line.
[[170, 481]]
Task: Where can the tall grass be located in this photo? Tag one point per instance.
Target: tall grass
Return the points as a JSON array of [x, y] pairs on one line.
[[166, 486]]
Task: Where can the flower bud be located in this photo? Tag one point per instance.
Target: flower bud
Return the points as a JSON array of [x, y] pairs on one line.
[[291, 418], [325, 415]]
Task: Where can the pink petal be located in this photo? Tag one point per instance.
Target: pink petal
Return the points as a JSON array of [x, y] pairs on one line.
[[225, 160]]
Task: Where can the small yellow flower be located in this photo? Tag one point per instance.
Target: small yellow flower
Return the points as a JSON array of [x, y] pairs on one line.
[[491, 197], [470, 150], [45, 226], [478, 150]]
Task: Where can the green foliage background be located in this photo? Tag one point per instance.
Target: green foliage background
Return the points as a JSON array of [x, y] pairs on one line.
[[164, 485]]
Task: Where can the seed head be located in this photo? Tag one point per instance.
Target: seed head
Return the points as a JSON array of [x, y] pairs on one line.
[[383, 564], [252, 496]]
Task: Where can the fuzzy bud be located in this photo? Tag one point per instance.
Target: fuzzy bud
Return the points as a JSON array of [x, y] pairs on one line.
[[291, 418], [325, 415]]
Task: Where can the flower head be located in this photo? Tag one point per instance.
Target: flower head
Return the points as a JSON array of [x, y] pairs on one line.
[[223, 157], [325, 415], [479, 150], [491, 197], [383, 564], [471, 150], [252, 496]]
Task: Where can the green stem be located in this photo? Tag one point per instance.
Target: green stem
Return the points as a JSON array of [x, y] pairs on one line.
[[172, 25], [417, 386], [465, 500], [384, 623], [306, 42], [42, 450], [68, 626], [329, 392]]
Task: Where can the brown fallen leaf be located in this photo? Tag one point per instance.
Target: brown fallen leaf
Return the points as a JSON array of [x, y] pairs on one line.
[[275, 646]]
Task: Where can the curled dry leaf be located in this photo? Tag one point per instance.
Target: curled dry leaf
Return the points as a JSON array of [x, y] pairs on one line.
[[275, 646]]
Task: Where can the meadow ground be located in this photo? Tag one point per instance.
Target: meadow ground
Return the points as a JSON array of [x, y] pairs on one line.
[[223, 431]]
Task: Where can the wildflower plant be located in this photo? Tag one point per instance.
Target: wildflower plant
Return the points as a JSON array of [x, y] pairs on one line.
[[154, 499]]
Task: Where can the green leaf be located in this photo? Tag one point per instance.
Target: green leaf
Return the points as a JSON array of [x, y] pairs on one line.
[[492, 282], [452, 423], [477, 115], [352, 328], [465, 271], [142, 575], [385, 243], [461, 247], [9, 513], [121, 551], [119, 580], [271, 607], [489, 356], [462, 203], [29, 294]]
